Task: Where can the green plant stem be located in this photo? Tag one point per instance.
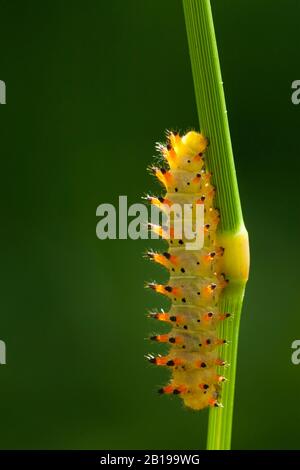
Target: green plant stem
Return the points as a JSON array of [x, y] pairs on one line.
[[214, 124], [212, 108], [220, 419]]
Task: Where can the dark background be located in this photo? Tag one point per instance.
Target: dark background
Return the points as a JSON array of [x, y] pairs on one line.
[[90, 87]]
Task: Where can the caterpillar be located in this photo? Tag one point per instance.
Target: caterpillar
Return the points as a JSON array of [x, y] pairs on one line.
[[196, 279]]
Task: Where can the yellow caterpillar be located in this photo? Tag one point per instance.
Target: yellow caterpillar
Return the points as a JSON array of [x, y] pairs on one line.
[[196, 278]]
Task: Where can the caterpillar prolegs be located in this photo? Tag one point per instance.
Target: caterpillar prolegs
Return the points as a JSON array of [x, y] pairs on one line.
[[196, 278]]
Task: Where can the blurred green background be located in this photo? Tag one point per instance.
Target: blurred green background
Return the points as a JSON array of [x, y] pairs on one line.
[[90, 87]]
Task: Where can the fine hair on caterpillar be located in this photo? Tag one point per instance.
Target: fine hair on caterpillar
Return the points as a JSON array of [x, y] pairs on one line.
[[196, 278]]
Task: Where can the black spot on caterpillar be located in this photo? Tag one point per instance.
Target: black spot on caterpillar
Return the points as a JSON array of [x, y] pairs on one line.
[[196, 279]]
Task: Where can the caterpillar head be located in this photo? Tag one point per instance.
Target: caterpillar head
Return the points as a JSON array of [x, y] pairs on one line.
[[195, 141]]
